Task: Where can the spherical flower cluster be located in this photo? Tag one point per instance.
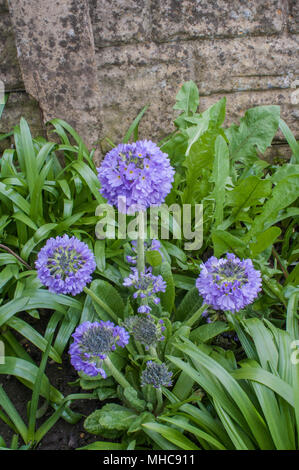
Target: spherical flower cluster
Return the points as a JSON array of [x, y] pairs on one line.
[[228, 283], [155, 245], [156, 375], [65, 265], [139, 172], [146, 285], [92, 343], [145, 330]]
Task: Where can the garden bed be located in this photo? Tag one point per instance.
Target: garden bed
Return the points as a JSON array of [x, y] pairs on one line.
[[119, 332]]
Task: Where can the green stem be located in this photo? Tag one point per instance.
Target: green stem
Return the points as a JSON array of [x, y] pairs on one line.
[[139, 348], [101, 303], [140, 244], [196, 315], [4, 247], [116, 374], [159, 401], [153, 352]]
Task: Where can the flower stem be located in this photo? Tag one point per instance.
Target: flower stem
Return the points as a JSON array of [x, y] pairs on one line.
[[4, 247], [159, 401], [140, 244], [196, 315], [100, 302], [153, 352], [116, 374]]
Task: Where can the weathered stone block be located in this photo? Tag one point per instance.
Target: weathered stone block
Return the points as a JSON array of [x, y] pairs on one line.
[[241, 64], [3, 5], [120, 21], [10, 72], [134, 76], [293, 20], [20, 104], [249, 71], [213, 18], [57, 58]]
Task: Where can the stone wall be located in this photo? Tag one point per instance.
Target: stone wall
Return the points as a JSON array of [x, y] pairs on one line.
[[246, 50]]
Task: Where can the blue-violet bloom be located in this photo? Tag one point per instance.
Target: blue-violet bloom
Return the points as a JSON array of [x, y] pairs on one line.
[[145, 330], [92, 344], [146, 287], [65, 265], [139, 172], [156, 375], [228, 283]]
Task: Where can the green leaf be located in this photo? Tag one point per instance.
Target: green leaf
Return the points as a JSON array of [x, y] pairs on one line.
[[273, 382], [111, 417], [153, 257], [167, 297], [33, 336], [41, 234], [131, 396], [28, 156], [256, 131], [14, 197], [172, 435], [98, 445], [89, 178], [250, 413], [194, 430], [283, 195], [99, 251], [112, 303], [224, 242], [291, 139], [36, 391], [187, 99], [190, 303], [205, 333], [264, 342], [264, 240], [10, 410], [134, 126], [27, 371], [248, 192], [219, 177]]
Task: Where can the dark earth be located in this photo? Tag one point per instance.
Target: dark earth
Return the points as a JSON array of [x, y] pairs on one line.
[[63, 435]]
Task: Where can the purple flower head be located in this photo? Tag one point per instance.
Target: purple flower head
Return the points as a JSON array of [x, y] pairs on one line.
[[140, 172], [144, 309], [146, 286], [92, 343], [65, 265], [228, 283], [156, 375], [145, 330]]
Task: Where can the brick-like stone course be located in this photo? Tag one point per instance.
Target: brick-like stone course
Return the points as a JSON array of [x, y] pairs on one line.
[[246, 50]]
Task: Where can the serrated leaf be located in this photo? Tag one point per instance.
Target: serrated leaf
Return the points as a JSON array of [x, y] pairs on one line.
[[256, 131], [131, 396], [264, 240], [187, 99], [111, 417], [224, 242]]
